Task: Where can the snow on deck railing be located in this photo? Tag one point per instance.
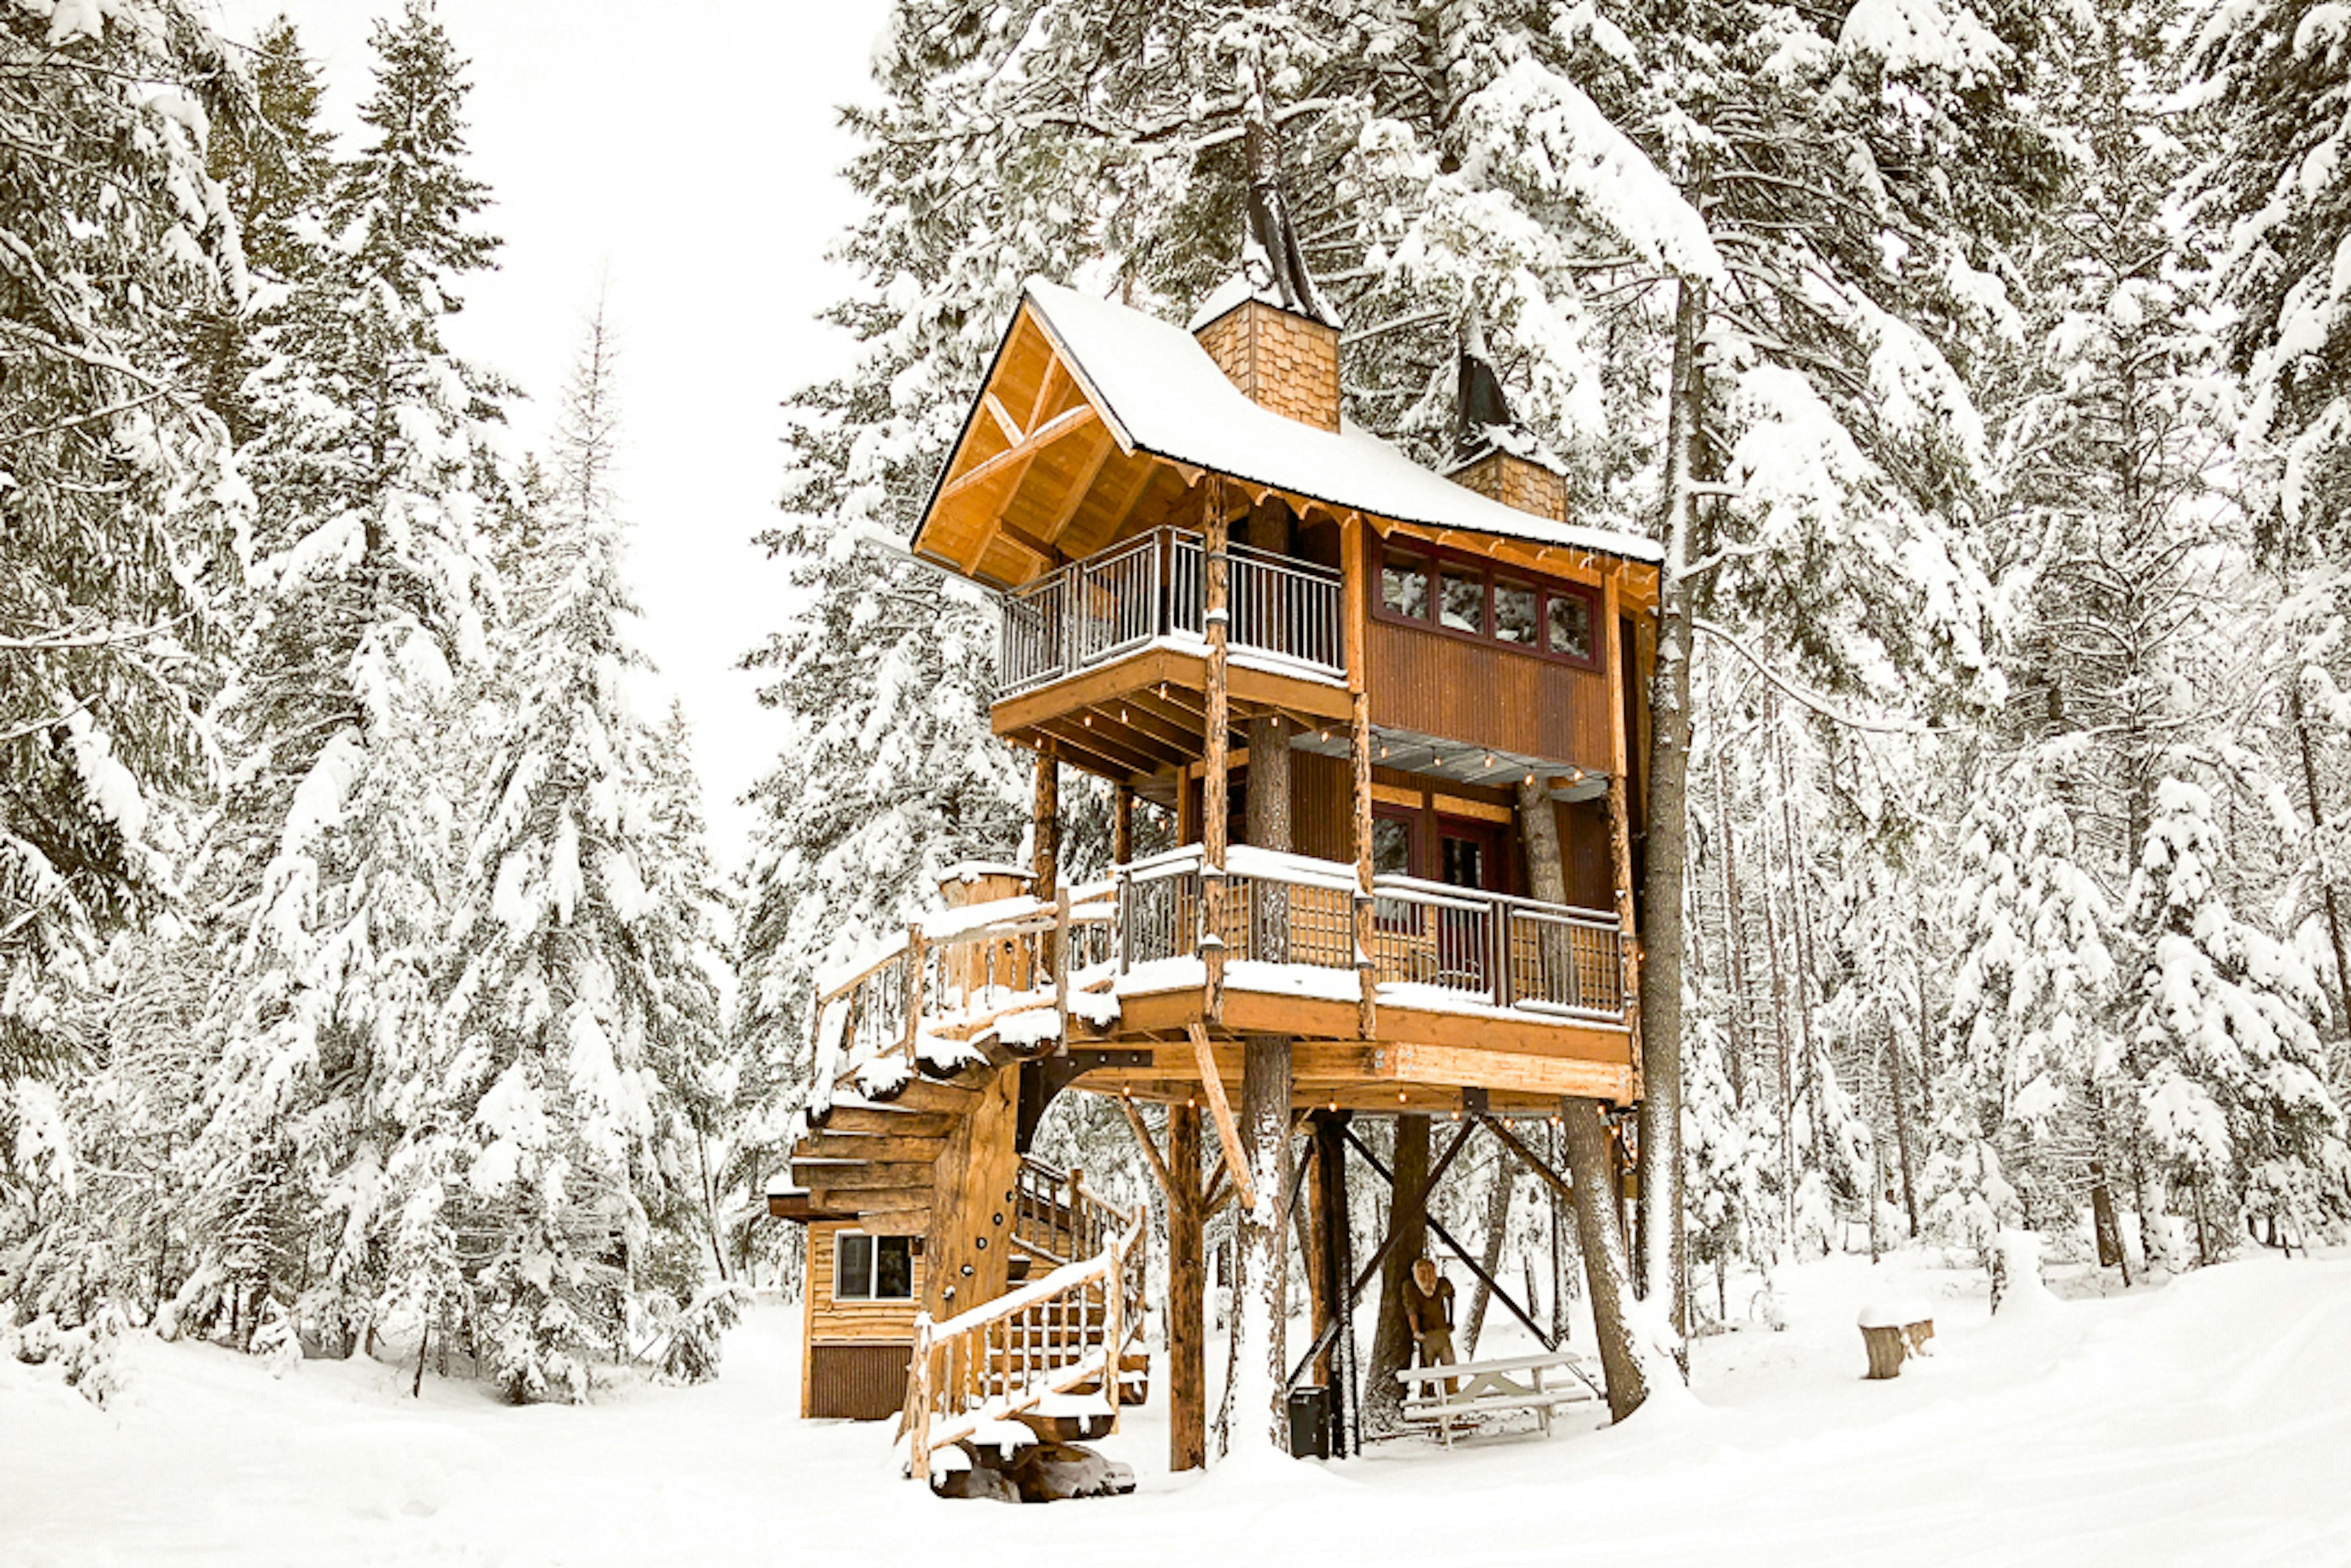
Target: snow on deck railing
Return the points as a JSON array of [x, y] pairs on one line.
[[1011, 1355], [946, 982], [1152, 588], [1432, 943]]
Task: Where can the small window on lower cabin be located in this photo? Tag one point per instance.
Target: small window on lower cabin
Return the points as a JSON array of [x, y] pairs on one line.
[[1404, 586], [873, 1268]]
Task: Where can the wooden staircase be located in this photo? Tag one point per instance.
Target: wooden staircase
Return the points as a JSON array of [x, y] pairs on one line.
[[1031, 1334]]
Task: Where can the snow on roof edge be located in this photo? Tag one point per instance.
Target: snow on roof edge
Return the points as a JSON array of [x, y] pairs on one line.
[[1159, 389]]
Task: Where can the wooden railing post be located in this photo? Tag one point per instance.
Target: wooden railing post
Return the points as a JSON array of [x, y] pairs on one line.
[[1217, 732], [1113, 1315], [919, 1401], [1061, 967], [914, 992], [1354, 590]]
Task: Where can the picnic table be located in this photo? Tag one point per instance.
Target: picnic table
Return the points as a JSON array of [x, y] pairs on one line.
[[1530, 1383]]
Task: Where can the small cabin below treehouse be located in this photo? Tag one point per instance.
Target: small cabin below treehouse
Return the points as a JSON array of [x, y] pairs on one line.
[[858, 1295]]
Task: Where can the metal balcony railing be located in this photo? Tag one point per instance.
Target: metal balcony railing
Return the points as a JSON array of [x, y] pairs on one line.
[[1438, 940], [1154, 587]]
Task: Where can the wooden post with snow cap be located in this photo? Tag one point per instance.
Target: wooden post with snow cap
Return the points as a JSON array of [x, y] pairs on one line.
[[1045, 835], [915, 956], [1215, 781], [1355, 584], [1060, 970]]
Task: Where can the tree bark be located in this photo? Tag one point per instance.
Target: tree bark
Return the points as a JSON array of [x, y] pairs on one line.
[[1500, 1187], [1408, 1222], [1900, 1090], [1261, 1281], [1187, 1296], [1261, 1298], [2326, 882], [1734, 932], [1592, 1170], [1601, 1239], [1667, 823]]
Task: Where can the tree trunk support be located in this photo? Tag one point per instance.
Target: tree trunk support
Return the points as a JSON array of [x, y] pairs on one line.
[[1187, 1293]]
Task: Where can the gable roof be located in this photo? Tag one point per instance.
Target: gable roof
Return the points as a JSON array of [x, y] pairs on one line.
[[1162, 394]]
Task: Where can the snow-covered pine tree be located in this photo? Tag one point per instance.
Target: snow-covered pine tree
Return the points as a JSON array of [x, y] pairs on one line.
[[583, 1011], [2031, 1061], [2231, 1103], [119, 513], [2277, 75], [275, 167], [334, 861]]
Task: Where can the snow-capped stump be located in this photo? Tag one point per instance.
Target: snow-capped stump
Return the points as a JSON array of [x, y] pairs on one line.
[[1894, 1331], [1012, 1461]]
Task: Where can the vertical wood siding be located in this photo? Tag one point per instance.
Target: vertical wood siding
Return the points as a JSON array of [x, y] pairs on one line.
[[1321, 806], [831, 1319], [1486, 695]]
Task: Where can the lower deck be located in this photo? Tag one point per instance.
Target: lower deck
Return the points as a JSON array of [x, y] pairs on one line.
[[1416, 1058]]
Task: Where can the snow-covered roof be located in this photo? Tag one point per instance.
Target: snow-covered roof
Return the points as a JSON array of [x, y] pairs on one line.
[[1162, 393]]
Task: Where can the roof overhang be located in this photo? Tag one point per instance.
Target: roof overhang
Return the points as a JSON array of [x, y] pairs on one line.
[[1095, 420]]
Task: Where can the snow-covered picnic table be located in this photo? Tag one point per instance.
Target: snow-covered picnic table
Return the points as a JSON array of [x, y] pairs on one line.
[[1494, 1388]]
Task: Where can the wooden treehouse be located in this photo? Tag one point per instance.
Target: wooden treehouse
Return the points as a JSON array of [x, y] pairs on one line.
[[1391, 715]]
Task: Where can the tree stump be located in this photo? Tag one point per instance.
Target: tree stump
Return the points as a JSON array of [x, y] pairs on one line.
[[1892, 1333]]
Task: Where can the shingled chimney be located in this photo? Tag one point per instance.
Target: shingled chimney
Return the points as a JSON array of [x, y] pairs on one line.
[[1268, 328], [1494, 454]]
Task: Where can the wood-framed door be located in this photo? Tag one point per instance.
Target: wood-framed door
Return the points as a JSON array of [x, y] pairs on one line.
[[1470, 853]]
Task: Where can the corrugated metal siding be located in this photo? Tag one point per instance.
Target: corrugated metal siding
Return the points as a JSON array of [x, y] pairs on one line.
[[1486, 696], [858, 1382]]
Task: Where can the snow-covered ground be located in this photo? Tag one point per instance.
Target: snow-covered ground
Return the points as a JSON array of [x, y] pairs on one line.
[[2207, 1421]]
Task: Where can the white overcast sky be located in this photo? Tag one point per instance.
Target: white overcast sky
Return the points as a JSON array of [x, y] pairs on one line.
[[686, 160]]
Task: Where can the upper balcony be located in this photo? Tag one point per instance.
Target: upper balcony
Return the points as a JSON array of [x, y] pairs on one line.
[[1107, 657]]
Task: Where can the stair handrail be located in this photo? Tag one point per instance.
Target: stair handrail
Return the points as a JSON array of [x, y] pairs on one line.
[[892, 992], [954, 1377]]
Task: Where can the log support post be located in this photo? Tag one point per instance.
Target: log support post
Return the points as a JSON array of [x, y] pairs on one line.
[[1354, 585], [1215, 782], [1045, 837], [1187, 1295]]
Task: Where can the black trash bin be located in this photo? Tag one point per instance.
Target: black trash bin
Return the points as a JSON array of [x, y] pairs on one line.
[[1309, 1422]]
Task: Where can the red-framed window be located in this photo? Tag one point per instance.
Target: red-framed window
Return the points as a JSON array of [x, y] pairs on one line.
[[1460, 595]]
